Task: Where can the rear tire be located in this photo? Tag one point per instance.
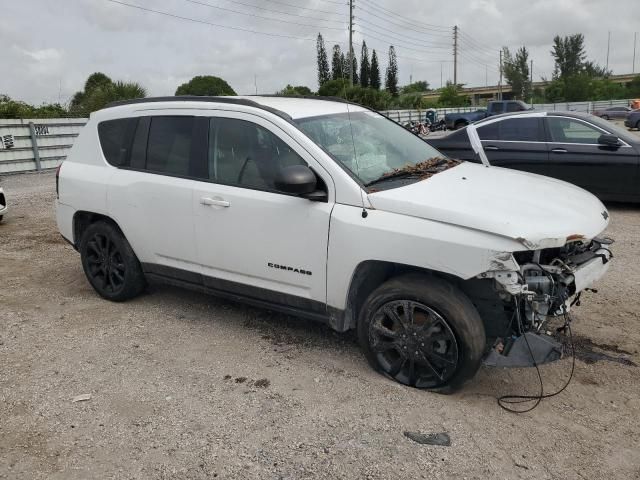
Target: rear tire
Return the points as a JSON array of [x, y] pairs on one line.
[[460, 125], [605, 117], [422, 332], [109, 263]]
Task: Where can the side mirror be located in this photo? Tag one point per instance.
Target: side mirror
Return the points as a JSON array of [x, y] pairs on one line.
[[296, 179], [609, 140]]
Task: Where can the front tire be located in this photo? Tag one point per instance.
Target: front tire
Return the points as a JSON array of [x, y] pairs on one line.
[[110, 264], [605, 117], [422, 332]]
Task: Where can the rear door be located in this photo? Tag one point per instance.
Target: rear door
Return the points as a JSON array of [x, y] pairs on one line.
[[516, 143], [576, 157], [151, 196]]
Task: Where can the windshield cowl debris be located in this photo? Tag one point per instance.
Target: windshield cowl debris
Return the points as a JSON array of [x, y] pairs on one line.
[[421, 171]]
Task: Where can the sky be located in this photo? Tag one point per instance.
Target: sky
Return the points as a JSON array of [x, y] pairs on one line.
[[49, 47]]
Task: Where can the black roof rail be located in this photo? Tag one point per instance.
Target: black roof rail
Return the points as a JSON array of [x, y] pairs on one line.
[[195, 98]]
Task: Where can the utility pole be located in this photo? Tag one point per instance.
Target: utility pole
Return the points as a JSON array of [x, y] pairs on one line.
[[441, 85], [486, 76], [255, 82], [608, 45], [500, 82], [531, 82], [455, 55], [351, 43], [635, 37]]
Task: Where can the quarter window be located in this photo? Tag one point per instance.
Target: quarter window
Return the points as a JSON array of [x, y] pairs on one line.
[[115, 139], [245, 154], [169, 145], [567, 130]]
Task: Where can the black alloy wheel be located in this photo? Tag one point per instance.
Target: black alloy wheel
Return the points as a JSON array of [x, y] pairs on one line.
[[413, 344], [106, 266], [109, 262]]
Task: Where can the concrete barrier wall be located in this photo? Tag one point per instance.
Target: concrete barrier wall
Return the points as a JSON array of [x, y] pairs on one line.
[[37, 144]]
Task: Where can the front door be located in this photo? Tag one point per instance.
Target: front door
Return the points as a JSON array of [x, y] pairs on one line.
[[576, 157], [252, 239]]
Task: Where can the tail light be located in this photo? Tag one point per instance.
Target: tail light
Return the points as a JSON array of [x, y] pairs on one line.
[[58, 180]]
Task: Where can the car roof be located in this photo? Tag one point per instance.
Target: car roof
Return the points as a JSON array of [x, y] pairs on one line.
[[293, 107]]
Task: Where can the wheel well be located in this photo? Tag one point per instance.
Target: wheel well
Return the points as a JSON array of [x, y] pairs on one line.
[[369, 275], [461, 123], [82, 220]]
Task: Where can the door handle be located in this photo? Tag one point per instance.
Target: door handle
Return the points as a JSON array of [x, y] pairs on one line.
[[491, 147], [559, 150], [214, 202]]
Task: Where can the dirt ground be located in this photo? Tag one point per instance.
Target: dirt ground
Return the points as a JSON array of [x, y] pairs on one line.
[[188, 386]]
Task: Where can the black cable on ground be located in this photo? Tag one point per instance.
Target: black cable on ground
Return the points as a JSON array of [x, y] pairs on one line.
[[505, 400]]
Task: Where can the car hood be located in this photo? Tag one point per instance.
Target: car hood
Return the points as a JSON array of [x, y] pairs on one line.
[[539, 212]]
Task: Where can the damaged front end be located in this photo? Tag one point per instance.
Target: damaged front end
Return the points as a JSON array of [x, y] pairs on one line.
[[536, 288]]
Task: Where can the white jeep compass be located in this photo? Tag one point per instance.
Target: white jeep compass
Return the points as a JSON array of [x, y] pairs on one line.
[[327, 210]]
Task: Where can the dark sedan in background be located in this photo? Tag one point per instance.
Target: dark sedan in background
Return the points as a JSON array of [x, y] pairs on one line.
[[612, 113], [578, 148]]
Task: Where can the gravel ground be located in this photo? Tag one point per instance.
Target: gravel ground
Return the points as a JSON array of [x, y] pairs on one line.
[[184, 385]]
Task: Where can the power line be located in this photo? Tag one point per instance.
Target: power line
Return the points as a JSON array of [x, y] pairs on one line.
[[386, 19], [392, 32], [476, 43], [424, 25], [203, 22], [413, 59], [395, 43], [394, 38], [204, 4], [303, 8]]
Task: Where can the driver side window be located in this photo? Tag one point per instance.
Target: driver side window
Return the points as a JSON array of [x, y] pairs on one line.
[[245, 154]]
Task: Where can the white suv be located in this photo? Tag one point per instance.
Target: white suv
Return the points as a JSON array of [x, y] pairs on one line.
[[327, 210]]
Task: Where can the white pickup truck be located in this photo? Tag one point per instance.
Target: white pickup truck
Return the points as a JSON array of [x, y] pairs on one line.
[[327, 210]]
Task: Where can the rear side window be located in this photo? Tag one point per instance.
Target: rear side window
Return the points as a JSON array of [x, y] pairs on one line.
[[115, 139], [497, 108], [514, 130], [169, 145], [521, 130]]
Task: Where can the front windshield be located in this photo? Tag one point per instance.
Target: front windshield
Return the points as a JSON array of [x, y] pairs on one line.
[[367, 144]]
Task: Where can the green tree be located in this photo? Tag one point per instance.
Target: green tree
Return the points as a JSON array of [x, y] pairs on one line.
[[299, 90], [364, 65], [336, 63], [374, 73], [416, 87], [100, 90], [633, 88], [450, 96], [345, 66], [205, 85], [323, 64], [334, 88], [516, 72], [354, 69], [17, 109], [391, 78], [569, 55]]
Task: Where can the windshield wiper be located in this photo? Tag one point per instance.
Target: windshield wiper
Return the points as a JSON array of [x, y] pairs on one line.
[[423, 170]]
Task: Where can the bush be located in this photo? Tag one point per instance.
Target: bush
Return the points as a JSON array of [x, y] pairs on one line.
[[205, 85]]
